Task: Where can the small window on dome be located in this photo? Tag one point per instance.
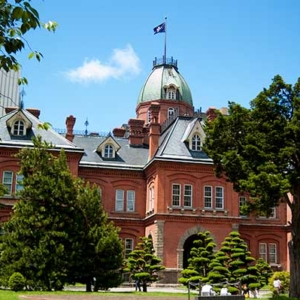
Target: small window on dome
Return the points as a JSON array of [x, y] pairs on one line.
[[108, 151], [170, 93], [196, 142], [19, 128]]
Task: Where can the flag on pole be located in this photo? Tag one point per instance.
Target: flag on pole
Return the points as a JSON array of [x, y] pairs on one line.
[[160, 28]]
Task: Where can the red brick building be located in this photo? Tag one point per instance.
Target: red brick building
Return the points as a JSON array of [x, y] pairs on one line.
[[153, 175]]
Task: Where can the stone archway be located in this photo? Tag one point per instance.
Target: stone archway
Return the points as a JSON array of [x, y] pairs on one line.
[[185, 242]]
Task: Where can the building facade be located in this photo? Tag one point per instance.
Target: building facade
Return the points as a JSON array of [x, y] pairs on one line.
[[155, 180]]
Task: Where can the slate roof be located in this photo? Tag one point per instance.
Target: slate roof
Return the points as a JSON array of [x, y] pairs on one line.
[[172, 147], [127, 157], [8, 140]]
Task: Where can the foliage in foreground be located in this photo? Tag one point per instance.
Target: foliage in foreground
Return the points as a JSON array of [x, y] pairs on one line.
[[201, 255], [143, 264], [232, 264], [17, 20], [257, 149], [284, 278], [59, 230]]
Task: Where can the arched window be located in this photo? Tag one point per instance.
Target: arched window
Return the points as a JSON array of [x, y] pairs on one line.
[[171, 112], [196, 142], [19, 128], [108, 151], [170, 93]]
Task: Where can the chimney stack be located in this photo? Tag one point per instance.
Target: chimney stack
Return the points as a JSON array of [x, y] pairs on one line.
[[136, 135], [154, 129], [211, 113], [34, 111], [70, 122], [119, 132]]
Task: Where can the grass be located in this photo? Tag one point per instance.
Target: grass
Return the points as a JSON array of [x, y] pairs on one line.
[[10, 295]]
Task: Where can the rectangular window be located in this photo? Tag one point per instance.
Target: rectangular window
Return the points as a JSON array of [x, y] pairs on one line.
[[130, 201], [128, 247], [151, 199], [272, 214], [208, 197], [7, 181], [263, 251], [119, 200], [242, 202], [188, 190], [272, 253], [176, 195], [219, 197], [19, 182]]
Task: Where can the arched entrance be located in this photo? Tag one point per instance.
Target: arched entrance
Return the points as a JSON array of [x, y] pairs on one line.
[[187, 246]]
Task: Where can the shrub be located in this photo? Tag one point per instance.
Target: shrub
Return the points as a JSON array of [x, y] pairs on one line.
[[284, 277], [16, 282]]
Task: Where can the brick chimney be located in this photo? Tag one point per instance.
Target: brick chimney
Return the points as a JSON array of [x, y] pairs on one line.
[[136, 135], [154, 129], [34, 111], [119, 132], [211, 113], [70, 122], [9, 109]]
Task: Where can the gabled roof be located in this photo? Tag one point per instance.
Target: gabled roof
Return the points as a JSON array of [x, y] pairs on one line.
[[172, 143], [8, 140], [126, 158]]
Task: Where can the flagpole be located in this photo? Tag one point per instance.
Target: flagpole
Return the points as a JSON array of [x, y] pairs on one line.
[[165, 48]]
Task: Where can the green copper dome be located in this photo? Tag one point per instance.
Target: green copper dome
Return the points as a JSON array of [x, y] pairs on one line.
[[165, 82]]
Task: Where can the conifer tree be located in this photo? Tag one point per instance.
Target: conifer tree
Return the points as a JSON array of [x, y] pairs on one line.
[[143, 264], [234, 264], [101, 250], [200, 257], [58, 231]]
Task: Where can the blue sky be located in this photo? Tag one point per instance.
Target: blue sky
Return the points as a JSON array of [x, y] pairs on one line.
[[96, 62]]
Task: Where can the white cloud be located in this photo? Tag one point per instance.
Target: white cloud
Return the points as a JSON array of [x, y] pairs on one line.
[[122, 64]]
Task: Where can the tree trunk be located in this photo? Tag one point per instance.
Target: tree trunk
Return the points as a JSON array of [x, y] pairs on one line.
[[145, 287], [294, 249], [88, 286]]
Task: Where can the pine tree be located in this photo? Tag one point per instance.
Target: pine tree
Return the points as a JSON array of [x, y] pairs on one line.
[[143, 264], [38, 240], [233, 264], [101, 250], [200, 257], [58, 231]]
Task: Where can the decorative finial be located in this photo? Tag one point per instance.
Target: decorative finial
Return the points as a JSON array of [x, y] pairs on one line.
[[21, 99], [86, 123]]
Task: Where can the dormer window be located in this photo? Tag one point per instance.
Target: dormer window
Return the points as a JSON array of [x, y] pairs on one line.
[[19, 128], [108, 148], [18, 124], [196, 142], [108, 151], [171, 93]]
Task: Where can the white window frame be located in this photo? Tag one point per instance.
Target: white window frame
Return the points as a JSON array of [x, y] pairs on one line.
[[119, 205], [208, 196], [7, 181], [19, 185], [171, 112], [188, 195], [272, 253], [149, 116], [128, 246], [262, 248], [19, 128], [196, 142], [109, 151], [130, 200], [151, 198], [176, 194], [219, 198]]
